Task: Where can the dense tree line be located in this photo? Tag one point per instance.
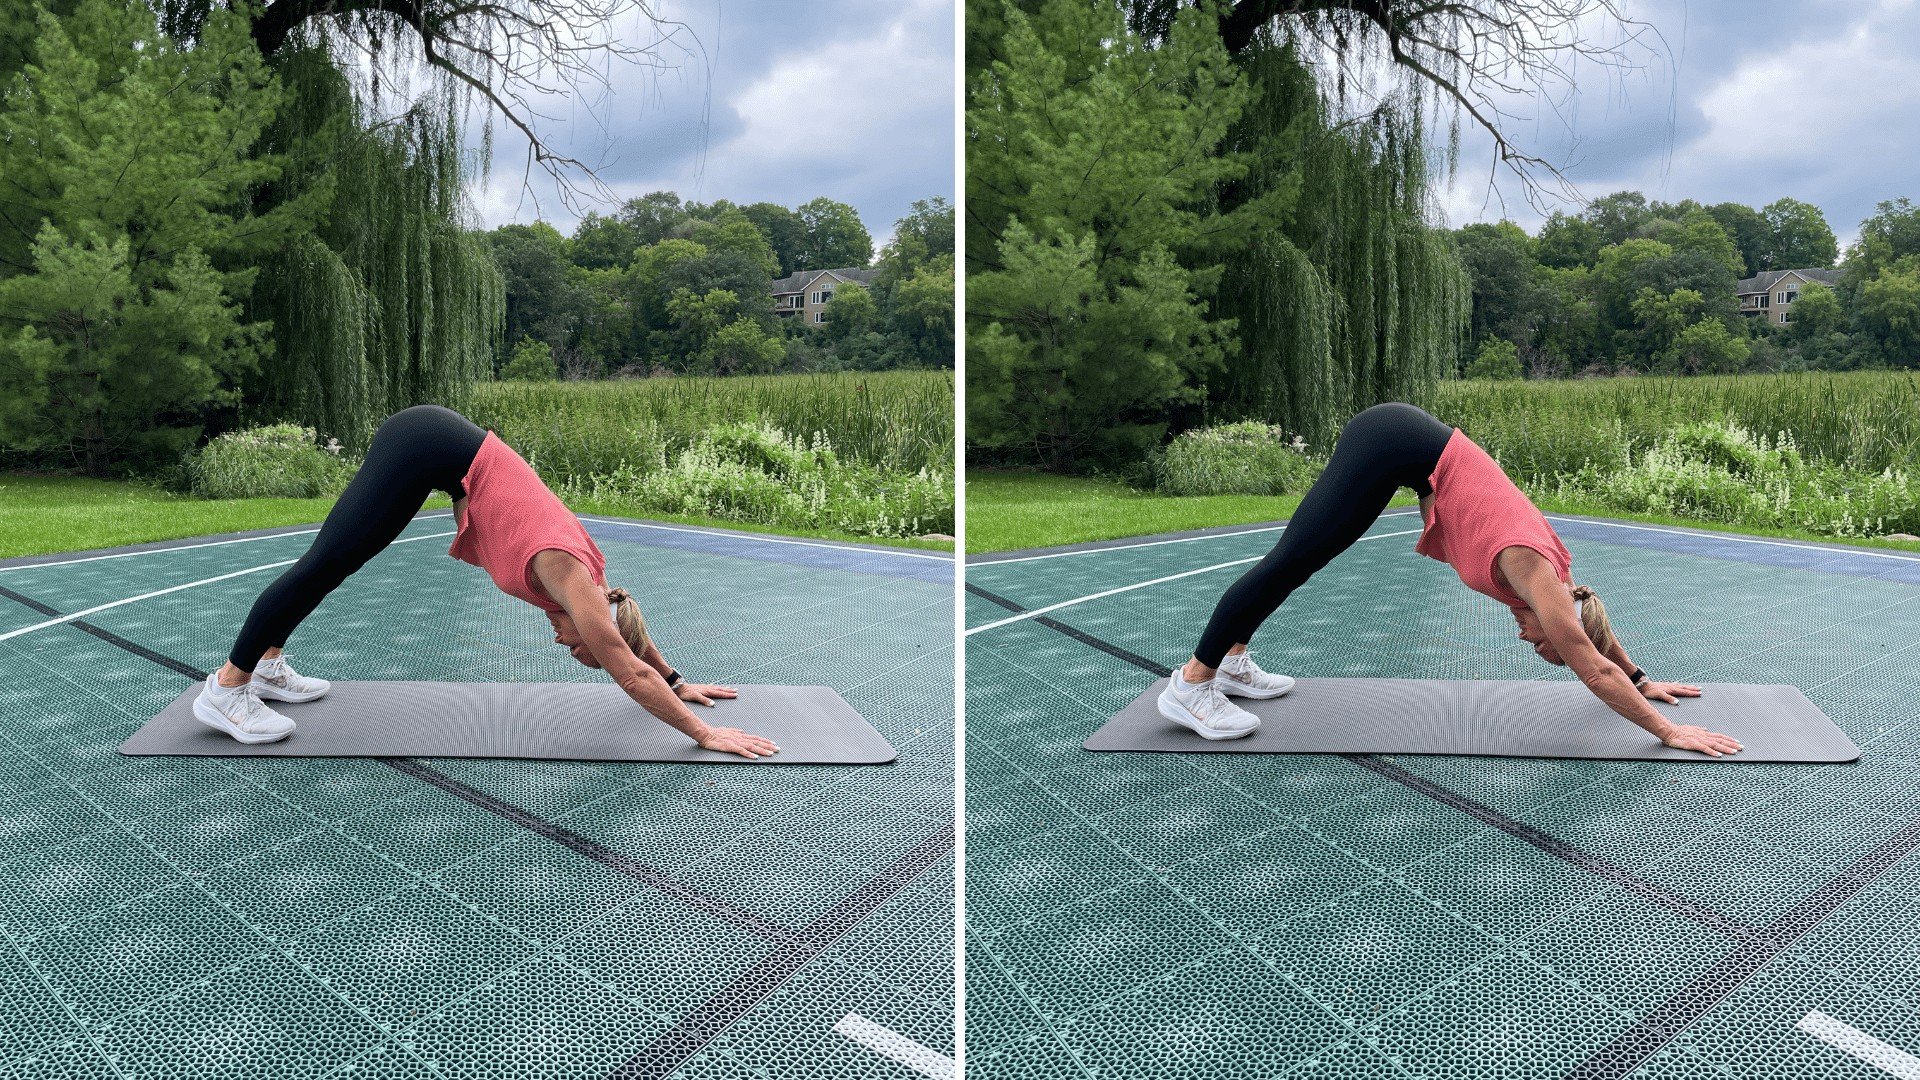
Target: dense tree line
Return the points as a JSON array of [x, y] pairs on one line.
[[663, 286], [1628, 285], [1168, 223], [212, 213]]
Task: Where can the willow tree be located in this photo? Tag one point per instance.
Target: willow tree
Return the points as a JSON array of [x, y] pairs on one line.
[[1351, 296], [1314, 246], [393, 298]]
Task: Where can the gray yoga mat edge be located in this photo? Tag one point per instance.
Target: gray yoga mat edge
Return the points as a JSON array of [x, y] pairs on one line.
[[587, 721], [1530, 719]]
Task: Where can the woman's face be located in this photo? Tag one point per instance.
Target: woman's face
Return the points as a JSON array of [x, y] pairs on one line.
[[1532, 634], [567, 634]]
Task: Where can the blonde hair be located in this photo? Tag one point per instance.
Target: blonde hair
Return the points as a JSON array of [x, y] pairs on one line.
[[1593, 617], [632, 624]]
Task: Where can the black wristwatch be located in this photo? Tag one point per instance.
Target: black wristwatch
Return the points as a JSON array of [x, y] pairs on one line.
[[673, 679], [1640, 677]]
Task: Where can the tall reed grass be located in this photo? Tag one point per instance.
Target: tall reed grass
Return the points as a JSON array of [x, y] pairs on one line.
[[896, 421], [1539, 430]]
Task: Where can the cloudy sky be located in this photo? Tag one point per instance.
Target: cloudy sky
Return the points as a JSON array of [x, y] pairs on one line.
[[759, 100], [1816, 99]]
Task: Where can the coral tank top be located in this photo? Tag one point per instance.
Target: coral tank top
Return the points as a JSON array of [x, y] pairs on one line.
[[513, 516], [1477, 514]]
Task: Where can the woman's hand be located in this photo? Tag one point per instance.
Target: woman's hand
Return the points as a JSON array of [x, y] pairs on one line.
[[1669, 692], [734, 741], [1710, 743], [702, 693]]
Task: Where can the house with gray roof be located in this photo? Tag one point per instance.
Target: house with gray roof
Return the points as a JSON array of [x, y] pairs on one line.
[[1771, 293], [806, 293]]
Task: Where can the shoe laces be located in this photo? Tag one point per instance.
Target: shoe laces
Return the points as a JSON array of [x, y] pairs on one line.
[[249, 707], [1210, 701]]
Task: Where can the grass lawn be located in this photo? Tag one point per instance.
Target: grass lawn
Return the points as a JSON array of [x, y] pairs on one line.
[[42, 514], [1011, 510]]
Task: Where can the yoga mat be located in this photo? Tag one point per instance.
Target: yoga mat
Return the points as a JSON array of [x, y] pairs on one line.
[[565, 721], [1499, 719]]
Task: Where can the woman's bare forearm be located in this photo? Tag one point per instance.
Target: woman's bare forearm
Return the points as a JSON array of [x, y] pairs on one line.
[[1605, 680], [651, 692]]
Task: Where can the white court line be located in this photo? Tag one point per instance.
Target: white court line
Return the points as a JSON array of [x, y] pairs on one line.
[[1861, 1046], [1738, 539], [1152, 543], [771, 540], [176, 588], [184, 547], [1036, 612], [896, 1047]]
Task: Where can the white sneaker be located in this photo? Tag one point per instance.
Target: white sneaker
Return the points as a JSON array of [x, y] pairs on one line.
[[274, 680], [238, 711], [1202, 708], [1241, 677]]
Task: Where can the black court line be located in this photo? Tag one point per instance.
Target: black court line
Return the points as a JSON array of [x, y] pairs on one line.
[[605, 856], [1694, 1000], [1556, 847], [108, 636], [633, 868], [1479, 811], [1076, 634], [666, 1054]]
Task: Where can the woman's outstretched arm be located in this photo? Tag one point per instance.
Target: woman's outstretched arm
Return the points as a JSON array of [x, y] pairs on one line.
[[1534, 581], [567, 581]]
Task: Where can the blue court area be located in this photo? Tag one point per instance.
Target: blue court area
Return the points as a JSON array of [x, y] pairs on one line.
[[250, 917], [1218, 915]]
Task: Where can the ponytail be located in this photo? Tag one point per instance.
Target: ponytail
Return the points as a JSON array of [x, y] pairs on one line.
[[626, 616], [1593, 618]]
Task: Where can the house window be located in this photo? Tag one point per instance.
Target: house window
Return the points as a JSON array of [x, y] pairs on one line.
[[1792, 295], [1786, 316], [1766, 300], [825, 295], [819, 316]]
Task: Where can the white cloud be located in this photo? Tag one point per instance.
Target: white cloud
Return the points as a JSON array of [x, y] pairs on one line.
[[1809, 100], [853, 102]]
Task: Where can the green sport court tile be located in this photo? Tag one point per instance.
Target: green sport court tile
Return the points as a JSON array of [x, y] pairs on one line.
[[468, 918], [1447, 917]]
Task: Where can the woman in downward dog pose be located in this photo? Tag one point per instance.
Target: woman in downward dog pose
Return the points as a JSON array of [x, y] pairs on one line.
[[1472, 517], [510, 525]]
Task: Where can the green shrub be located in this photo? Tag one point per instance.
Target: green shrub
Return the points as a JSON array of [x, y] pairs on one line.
[[532, 361], [1498, 358], [760, 474], [1247, 458], [278, 461], [1723, 473]]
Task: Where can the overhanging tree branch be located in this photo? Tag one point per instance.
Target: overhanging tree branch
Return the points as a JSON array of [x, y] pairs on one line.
[[1489, 61], [513, 55]]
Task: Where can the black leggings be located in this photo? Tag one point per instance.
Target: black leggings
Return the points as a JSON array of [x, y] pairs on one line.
[[415, 452], [1382, 450]]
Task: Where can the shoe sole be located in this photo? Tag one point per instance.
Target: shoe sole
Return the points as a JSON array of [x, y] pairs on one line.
[[1187, 720], [1234, 689], [274, 693], [211, 717]]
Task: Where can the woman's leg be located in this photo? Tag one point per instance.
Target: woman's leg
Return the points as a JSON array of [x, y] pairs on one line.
[[1381, 450], [415, 451]]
